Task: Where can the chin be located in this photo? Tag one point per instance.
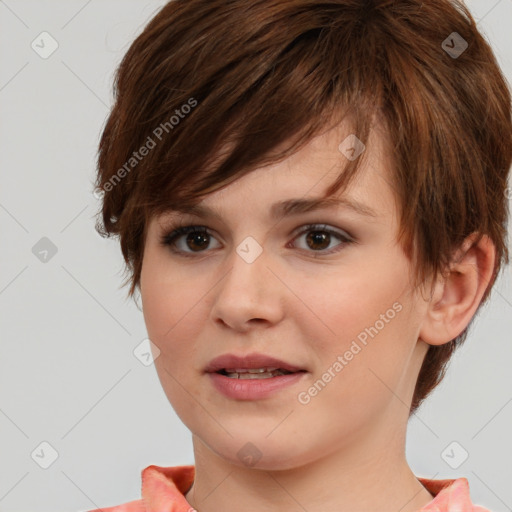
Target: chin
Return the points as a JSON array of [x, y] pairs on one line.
[[258, 452]]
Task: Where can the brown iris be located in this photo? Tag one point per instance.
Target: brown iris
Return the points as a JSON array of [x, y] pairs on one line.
[[318, 237]]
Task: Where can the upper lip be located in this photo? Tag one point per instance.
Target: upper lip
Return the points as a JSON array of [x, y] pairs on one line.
[[248, 361]]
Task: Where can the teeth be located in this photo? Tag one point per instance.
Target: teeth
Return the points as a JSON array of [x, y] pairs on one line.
[[250, 370], [252, 375]]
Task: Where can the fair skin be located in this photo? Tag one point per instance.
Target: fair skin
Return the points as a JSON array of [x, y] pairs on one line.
[[345, 449]]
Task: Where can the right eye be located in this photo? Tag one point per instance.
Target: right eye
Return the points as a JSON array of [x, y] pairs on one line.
[[198, 239]]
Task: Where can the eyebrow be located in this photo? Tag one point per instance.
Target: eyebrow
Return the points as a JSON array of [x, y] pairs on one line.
[[288, 208]]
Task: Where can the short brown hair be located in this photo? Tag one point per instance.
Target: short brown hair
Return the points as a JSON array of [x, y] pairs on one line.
[[258, 75]]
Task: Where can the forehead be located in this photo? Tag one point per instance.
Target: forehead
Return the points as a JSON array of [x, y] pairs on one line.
[[298, 183]]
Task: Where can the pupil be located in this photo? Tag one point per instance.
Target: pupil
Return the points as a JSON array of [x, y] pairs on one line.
[[197, 236], [317, 237]]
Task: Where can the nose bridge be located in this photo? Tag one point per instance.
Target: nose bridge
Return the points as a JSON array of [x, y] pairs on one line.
[[247, 275], [247, 291]]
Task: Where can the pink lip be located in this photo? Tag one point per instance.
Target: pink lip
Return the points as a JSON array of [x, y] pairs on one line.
[[254, 360], [251, 389]]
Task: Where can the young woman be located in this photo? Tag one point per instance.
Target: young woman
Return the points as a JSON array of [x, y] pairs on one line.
[[311, 200]]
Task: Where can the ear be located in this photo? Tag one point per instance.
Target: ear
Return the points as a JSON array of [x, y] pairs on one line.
[[456, 297]]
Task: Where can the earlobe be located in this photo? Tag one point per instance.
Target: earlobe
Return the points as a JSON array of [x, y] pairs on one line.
[[457, 296]]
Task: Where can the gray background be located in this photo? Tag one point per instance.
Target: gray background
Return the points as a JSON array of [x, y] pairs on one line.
[[68, 373]]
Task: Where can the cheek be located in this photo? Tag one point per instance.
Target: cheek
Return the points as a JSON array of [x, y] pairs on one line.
[[170, 301], [365, 320], [349, 304], [170, 308]]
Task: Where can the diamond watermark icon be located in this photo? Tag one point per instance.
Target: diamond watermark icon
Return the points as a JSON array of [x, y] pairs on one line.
[[249, 454], [44, 45], [146, 352], [454, 455], [44, 250], [44, 455], [249, 249], [454, 45], [351, 147]]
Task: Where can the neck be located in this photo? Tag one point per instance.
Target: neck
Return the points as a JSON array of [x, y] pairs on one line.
[[367, 478]]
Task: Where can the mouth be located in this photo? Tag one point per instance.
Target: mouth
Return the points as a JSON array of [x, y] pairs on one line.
[[254, 373], [253, 376], [251, 366]]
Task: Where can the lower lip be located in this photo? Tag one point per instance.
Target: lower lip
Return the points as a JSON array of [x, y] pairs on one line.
[[253, 389]]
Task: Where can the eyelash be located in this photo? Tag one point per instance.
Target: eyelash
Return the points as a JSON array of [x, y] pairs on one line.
[[169, 239]]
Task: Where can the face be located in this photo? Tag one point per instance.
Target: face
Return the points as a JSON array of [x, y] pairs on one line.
[[325, 290]]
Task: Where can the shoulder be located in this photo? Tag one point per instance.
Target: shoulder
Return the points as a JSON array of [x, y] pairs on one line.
[[449, 496], [161, 487]]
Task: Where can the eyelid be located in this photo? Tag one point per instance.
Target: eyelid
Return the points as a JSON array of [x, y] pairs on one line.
[[322, 226], [170, 235]]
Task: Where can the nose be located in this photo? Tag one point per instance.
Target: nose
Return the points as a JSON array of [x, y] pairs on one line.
[[249, 295]]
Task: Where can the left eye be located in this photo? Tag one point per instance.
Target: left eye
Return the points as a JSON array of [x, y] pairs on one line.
[[318, 239]]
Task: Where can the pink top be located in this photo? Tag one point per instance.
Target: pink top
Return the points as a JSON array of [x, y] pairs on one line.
[[164, 489]]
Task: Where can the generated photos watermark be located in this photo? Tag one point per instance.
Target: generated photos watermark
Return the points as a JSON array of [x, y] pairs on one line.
[[304, 397], [151, 142]]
